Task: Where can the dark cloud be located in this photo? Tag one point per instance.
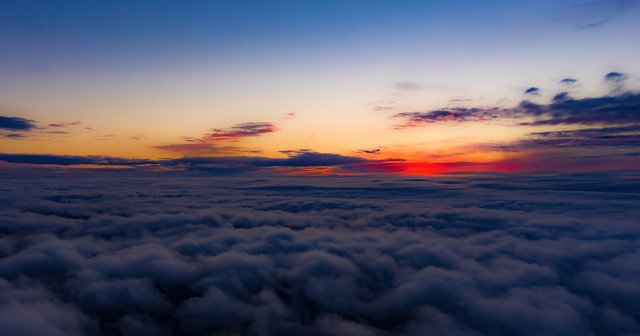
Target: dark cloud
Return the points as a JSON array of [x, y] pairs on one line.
[[233, 133], [16, 124], [593, 148], [484, 254], [218, 164], [559, 97], [606, 137], [299, 159], [562, 110], [305, 159], [534, 91], [457, 114], [616, 80], [67, 160], [296, 159], [369, 151], [568, 81], [615, 77], [597, 133]]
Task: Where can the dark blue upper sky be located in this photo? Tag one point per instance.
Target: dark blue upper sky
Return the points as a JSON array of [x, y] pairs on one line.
[[42, 34]]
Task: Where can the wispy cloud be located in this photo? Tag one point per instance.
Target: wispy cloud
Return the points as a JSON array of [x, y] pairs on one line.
[[209, 144], [69, 124], [236, 132], [13, 136], [203, 148], [409, 86], [604, 137], [457, 114], [369, 151], [596, 13]]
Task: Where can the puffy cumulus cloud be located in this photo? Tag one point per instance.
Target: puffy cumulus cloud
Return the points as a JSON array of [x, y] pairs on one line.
[[492, 254]]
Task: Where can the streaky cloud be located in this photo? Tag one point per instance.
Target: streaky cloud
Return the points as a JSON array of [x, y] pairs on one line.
[[248, 129], [456, 114], [68, 124]]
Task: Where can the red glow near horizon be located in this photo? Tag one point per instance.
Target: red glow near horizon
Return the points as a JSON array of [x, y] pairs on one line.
[[430, 168]]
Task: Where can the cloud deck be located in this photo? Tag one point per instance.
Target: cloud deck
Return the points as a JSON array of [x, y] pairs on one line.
[[480, 255]]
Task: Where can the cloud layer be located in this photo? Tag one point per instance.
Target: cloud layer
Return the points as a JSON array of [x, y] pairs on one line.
[[221, 164], [478, 255]]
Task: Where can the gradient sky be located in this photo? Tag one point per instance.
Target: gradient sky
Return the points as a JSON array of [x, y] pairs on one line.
[[171, 79]]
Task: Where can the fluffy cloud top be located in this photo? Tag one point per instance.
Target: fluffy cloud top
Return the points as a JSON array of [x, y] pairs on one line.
[[478, 255]]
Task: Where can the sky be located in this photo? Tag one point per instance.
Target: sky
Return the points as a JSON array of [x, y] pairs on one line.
[[342, 87]]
